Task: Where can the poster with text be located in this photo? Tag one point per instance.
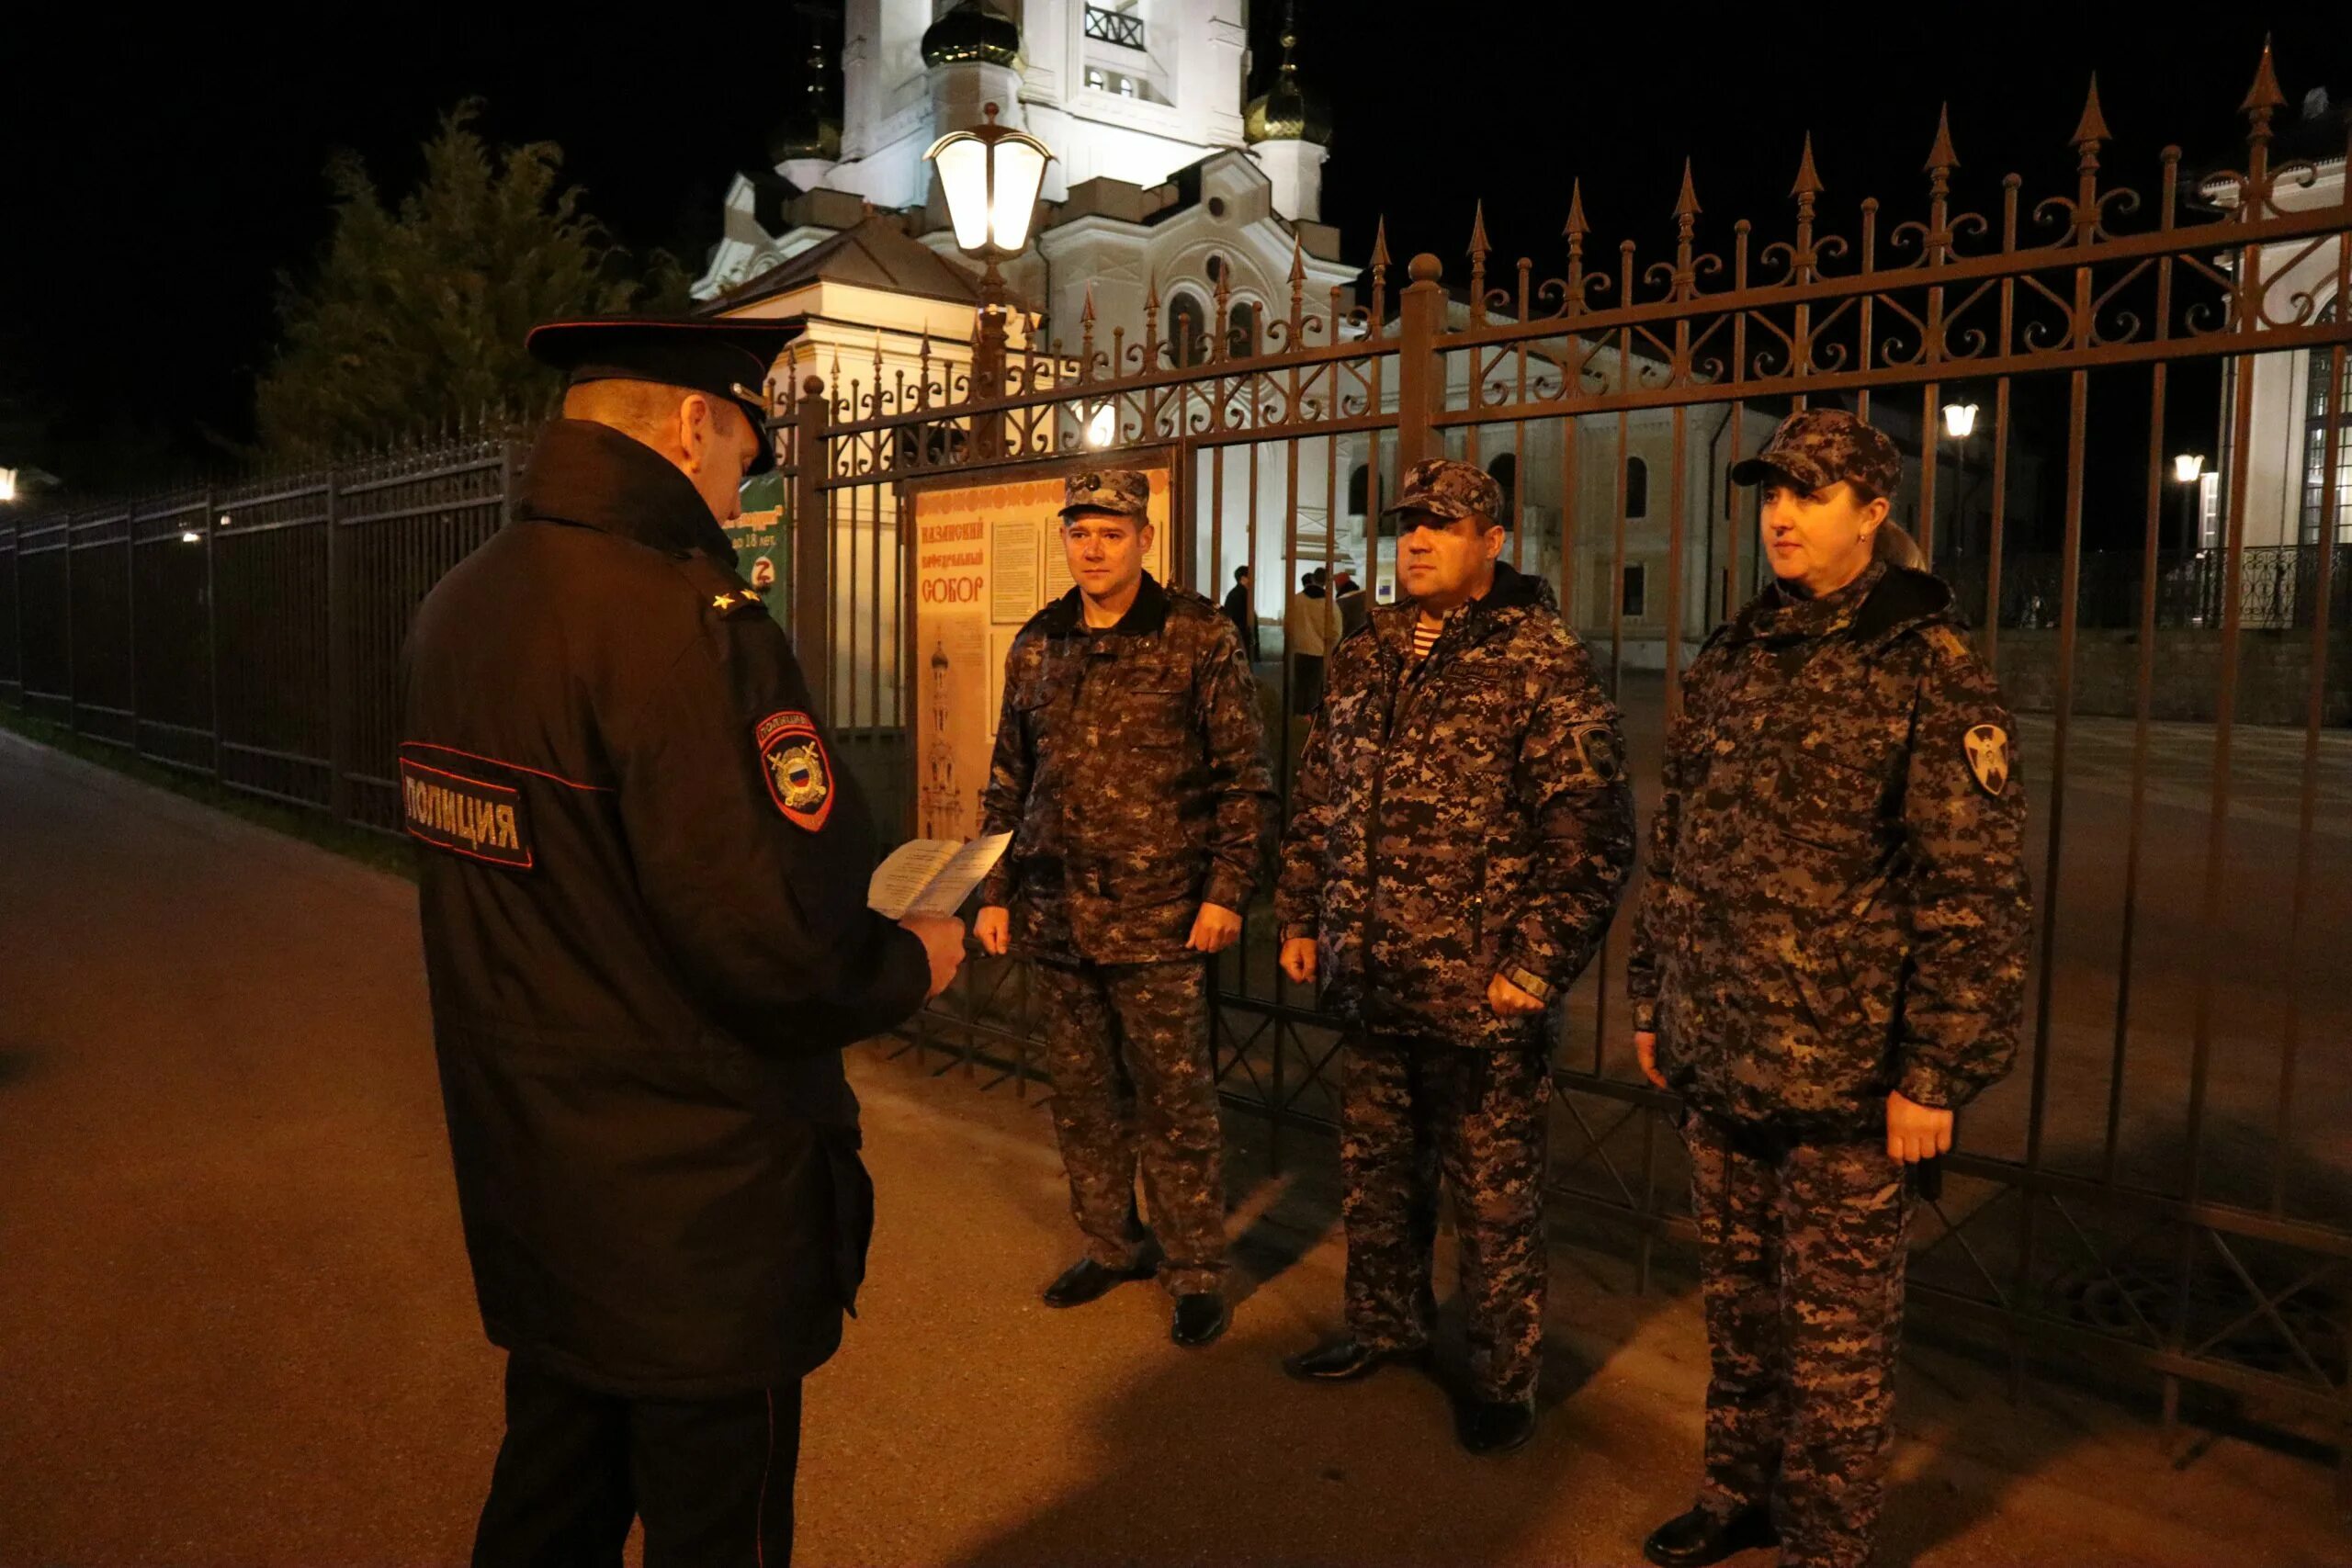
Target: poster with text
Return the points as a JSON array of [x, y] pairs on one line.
[[988, 557]]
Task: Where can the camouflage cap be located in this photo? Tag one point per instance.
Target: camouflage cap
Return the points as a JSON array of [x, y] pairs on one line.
[[1123, 491], [1821, 446], [1443, 488]]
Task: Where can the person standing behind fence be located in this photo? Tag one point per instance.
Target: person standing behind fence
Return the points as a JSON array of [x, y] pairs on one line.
[[642, 888], [1461, 831], [1309, 629], [1240, 609], [1828, 960], [1130, 769]]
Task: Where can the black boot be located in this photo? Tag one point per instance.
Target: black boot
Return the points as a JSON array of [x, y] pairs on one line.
[[1087, 1281], [1700, 1537], [1350, 1359], [1201, 1316], [1495, 1426]]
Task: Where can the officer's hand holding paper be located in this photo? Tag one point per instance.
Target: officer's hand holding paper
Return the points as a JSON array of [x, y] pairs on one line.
[[922, 884]]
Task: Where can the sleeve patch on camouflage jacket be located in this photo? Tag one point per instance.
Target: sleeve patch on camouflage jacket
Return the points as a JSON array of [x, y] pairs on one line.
[[800, 775], [1597, 744], [1988, 757]]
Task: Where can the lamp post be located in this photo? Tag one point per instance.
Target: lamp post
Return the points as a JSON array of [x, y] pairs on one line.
[[2187, 469], [991, 175], [1959, 422]]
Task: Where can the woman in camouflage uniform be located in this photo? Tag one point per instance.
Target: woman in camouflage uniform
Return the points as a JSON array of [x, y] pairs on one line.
[[1828, 960]]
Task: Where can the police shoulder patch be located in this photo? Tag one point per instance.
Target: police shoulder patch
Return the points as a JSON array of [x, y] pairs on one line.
[[478, 818], [1988, 757], [800, 775]]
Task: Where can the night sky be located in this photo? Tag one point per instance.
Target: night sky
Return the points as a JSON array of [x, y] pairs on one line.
[[155, 184]]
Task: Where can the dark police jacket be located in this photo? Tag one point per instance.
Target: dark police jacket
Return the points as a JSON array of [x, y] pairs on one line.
[[1456, 819], [1130, 768], [1836, 904], [643, 892]]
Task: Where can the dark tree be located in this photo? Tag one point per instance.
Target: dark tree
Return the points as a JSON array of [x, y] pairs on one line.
[[414, 317]]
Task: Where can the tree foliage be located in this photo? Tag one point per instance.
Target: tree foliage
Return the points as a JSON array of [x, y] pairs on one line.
[[414, 318]]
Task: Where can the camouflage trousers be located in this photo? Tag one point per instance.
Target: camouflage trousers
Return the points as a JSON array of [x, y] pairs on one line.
[[1409, 1113], [1801, 1250], [1134, 1093]]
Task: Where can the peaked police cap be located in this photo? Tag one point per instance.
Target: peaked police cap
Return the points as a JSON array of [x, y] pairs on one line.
[[726, 357]]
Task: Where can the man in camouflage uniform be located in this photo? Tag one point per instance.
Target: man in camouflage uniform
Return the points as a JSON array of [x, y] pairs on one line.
[[1460, 832], [1130, 768], [1829, 957]]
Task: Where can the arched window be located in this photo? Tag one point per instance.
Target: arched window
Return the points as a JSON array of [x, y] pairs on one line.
[[1241, 330], [1505, 470], [2322, 415], [1359, 489], [1637, 488], [1187, 331]]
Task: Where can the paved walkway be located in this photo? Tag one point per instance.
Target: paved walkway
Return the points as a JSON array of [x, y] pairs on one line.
[[235, 1326]]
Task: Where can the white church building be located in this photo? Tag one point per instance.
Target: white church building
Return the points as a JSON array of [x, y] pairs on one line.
[[1168, 178]]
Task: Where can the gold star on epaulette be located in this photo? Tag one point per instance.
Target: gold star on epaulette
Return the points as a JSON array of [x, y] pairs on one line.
[[722, 602]]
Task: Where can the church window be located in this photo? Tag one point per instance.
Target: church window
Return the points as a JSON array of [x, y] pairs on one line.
[[1108, 26], [2322, 414], [1505, 472], [1633, 594], [1637, 488], [1359, 489], [1241, 330], [1187, 331]]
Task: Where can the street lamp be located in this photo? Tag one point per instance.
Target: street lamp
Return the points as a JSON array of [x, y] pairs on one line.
[[1104, 428], [8, 485], [991, 175], [1959, 422], [2188, 471]]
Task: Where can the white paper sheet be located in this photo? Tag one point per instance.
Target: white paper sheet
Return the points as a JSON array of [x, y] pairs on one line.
[[932, 876]]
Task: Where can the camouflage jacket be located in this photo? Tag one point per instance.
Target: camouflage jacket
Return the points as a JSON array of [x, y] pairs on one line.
[[1458, 819], [1130, 768], [1836, 904]]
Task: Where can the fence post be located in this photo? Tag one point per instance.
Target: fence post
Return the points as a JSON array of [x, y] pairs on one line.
[[16, 603], [812, 587], [1420, 373], [212, 625], [130, 612], [339, 761], [73, 686]]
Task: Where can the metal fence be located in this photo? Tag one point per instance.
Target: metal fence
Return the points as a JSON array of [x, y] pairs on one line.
[[2278, 587], [2163, 1187], [250, 632]]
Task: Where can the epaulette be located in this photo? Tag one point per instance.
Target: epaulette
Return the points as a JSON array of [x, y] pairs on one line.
[[723, 595]]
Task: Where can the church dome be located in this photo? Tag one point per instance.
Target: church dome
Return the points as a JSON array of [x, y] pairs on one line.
[[811, 127], [974, 30], [1288, 112]]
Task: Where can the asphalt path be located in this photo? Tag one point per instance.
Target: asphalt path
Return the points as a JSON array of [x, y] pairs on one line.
[[236, 1327]]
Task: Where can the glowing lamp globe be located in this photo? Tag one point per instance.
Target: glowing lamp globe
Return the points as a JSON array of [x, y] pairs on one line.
[[991, 175]]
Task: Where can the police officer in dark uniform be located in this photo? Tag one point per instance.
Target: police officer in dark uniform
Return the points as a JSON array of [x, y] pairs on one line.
[[1829, 960], [643, 893]]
